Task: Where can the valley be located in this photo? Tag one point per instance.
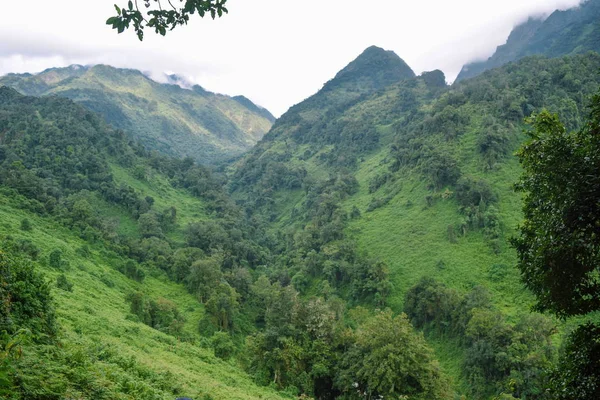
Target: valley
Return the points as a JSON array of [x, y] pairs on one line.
[[159, 241]]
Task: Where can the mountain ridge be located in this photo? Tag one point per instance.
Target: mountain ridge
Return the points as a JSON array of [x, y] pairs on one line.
[[568, 32], [192, 122]]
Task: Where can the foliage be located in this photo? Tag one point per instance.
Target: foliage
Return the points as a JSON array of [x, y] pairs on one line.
[[558, 246], [500, 358], [161, 314], [576, 376], [24, 295], [162, 19], [387, 358], [222, 345], [63, 283]]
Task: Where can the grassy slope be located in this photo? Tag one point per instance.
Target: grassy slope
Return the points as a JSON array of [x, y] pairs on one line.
[[95, 314], [410, 236]]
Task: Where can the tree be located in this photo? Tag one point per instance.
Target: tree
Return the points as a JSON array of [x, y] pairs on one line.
[[390, 359], [204, 277], [559, 245], [161, 18], [223, 307]]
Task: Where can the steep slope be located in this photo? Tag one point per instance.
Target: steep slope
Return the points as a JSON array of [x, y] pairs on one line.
[[187, 123], [421, 177], [314, 122], [92, 211], [569, 32], [406, 146], [152, 264]]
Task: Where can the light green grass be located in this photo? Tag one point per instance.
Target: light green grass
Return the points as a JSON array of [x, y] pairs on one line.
[[95, 314]]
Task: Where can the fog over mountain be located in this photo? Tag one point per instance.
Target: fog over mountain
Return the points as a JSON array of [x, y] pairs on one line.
[[263, 46]]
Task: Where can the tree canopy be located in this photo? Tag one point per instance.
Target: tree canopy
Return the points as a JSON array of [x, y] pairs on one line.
[[559, 246], [161, 16]]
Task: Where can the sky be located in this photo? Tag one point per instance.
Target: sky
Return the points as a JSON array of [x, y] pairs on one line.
[[275, 52]]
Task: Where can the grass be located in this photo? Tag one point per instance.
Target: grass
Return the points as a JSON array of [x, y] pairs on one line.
[[95, 314]]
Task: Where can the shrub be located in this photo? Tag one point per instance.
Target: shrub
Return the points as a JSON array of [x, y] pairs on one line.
[[63, 284]]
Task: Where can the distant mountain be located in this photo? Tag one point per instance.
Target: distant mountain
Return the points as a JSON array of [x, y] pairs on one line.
[[569, 32], [181, 122], [246, 102]]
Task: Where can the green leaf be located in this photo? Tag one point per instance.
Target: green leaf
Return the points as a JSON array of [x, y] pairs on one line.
[[130, 5], [112, 20], [118, 9]]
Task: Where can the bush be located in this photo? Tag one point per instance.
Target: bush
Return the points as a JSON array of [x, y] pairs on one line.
[[63, 284], [222, 345], [26, 225], [55, 259]]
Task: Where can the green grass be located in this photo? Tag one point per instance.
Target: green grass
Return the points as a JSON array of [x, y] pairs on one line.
[[189, 209], [95, 314]]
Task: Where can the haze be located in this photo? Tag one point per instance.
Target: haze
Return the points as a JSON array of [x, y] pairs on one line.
[[276, 52]]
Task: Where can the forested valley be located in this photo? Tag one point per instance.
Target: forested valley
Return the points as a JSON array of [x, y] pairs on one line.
[[390, 237]]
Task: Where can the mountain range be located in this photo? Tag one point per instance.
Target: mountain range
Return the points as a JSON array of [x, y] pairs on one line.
[[369, 222], [182, 122]]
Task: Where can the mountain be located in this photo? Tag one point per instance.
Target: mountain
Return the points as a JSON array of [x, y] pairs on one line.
[[574, 31], [126, 274], [420, 176], [89, 310], [374, 69], [181, 122]]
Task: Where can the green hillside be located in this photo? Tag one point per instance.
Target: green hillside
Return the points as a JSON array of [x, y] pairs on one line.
[[193, 123], [117, 265], [79, 222], [419, 175], [569, 32]]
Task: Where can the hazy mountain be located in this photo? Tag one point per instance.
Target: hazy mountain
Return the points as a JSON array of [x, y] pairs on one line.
[[166, 117], [569, 32]]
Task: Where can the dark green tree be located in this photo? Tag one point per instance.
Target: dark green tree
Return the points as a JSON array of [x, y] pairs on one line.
[[559, 244], [389, 359]]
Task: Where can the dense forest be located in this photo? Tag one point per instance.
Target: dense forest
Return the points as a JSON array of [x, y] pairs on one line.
[[386, 239]]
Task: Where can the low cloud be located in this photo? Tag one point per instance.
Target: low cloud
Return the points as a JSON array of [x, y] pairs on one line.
[[274, 52]]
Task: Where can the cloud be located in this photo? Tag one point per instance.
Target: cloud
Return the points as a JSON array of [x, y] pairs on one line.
[[275, 52]]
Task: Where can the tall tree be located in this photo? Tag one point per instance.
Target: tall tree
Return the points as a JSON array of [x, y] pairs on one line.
[[559, 245]]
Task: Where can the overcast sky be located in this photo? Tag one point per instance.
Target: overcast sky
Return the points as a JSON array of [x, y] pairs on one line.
[[276, 52]]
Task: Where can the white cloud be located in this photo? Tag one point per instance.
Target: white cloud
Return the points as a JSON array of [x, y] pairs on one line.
[[276, 52]]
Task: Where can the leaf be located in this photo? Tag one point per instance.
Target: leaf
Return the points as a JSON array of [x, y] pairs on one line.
[[130, 5], [118, 9]]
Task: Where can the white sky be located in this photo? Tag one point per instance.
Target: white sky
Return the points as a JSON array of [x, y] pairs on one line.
[[276, 52]]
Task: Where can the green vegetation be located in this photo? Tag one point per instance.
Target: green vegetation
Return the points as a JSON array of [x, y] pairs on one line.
[[56, 170], [161, 18], [179, 122], [362, 250], [569, 32], [558, 243], [420, 175]]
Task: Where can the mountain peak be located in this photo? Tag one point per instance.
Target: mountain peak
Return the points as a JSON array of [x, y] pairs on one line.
[[374, 69]]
